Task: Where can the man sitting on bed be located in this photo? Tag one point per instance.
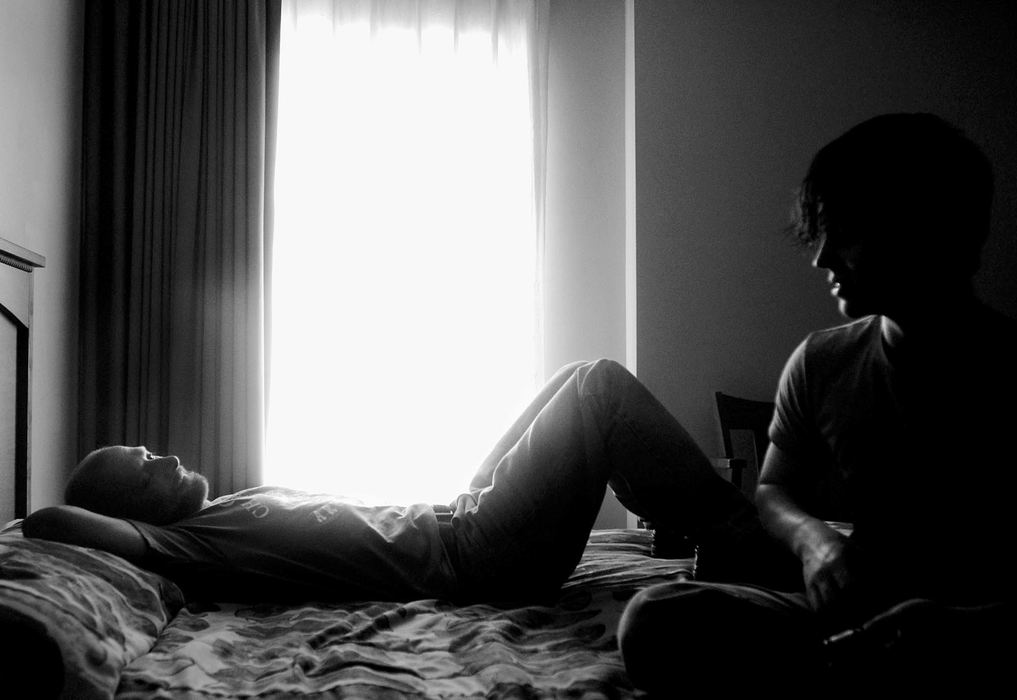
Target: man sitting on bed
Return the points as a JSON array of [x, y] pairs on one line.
[[516, 534], [900, 421]]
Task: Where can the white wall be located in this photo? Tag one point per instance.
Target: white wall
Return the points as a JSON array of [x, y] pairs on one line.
[[585, 231], [732, 100], [585, 246], [40, 91]]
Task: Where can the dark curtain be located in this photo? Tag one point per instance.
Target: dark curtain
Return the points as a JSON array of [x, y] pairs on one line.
[[178, 132]]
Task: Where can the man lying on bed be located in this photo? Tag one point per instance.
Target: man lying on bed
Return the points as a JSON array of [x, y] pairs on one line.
[[901, 421], [517, 533]]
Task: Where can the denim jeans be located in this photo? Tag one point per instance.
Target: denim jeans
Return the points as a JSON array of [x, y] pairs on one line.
[[522, 528]]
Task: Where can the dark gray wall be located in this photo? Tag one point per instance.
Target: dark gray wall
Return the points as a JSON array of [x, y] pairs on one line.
[[732, 100]]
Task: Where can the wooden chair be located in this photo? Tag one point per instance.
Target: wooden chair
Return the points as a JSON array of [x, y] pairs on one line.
[[737, 417]]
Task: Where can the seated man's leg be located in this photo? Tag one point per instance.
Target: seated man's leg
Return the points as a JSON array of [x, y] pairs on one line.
[[723, 638], [921, 645]]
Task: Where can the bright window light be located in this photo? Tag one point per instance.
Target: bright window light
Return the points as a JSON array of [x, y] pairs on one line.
[[404, 306]]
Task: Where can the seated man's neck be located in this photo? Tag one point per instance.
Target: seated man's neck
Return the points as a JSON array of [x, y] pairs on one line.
[[934, 327]]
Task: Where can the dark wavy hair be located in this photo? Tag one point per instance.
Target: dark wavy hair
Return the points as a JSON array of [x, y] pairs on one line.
[[899, 174]]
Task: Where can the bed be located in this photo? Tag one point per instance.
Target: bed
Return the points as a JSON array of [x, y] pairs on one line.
[[81, 623], [98, 627]]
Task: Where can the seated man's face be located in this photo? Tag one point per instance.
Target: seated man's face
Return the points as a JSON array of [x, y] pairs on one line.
[[146, 487], [873, 274], [848, 275]]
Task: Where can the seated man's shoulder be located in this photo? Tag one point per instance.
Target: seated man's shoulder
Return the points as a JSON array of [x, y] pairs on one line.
[[846, 333], [843, 341]]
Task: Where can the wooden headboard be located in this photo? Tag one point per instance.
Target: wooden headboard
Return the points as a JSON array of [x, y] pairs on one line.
[[16, 266]]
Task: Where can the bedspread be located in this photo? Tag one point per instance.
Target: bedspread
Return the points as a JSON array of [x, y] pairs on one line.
[[72, 617], [426, 648]]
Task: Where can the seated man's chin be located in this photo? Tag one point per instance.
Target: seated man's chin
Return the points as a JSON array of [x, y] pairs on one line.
[[852, 310]]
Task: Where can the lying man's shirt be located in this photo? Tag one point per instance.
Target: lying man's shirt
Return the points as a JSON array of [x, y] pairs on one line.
[[272, 544]]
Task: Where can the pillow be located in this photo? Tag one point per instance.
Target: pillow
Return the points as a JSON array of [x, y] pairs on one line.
[[72, 617]]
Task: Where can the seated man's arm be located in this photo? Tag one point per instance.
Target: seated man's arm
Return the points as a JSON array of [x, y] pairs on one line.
[[823, 551], [73, 525]]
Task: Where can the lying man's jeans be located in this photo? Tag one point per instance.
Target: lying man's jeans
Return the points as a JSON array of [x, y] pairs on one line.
[[526, 520]]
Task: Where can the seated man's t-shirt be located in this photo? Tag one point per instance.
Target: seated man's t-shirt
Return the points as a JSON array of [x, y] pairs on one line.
[[913, 450], [269, 544]]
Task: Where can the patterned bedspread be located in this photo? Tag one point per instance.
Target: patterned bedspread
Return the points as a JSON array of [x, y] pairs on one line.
[[72, 617], [427, 648]]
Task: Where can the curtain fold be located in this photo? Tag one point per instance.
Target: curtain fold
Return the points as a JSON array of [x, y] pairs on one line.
[[178, 153]]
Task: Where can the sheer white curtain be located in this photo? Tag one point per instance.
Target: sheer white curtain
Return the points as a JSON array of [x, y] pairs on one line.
[[409, 206]]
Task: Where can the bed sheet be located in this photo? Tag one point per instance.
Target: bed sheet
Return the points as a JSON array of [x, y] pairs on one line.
[[425, 648]]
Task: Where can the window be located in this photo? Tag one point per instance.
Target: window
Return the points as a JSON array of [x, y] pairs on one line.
[[405, 306]]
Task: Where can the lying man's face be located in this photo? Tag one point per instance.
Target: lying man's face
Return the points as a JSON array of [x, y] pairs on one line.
[[131, 482]]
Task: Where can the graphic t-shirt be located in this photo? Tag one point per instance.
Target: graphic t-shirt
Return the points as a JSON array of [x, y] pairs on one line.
[[269, 543], [913, 450]]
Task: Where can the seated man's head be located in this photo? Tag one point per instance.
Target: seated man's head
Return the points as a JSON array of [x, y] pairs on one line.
[[897, 209], [131, 482]]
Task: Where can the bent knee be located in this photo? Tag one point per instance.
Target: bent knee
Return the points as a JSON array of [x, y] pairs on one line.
[[655, 616], [676, 631], [653, 636], [599, 376]]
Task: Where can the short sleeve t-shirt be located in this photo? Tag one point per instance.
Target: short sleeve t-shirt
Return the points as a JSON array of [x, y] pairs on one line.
[[270, 543], [914, 451]]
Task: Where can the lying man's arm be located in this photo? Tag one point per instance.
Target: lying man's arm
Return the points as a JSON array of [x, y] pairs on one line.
[[73, 525], [827, 565]]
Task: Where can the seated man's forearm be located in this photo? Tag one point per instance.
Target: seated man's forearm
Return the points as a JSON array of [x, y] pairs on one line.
[[807, 536]]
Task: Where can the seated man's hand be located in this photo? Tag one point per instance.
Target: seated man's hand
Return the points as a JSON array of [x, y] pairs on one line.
[[921, 639], [464, 503], [831, 569]]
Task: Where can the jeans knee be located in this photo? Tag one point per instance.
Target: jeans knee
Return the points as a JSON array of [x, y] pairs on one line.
[[603, 376], [673, 635], [636, 638], [650, 638]]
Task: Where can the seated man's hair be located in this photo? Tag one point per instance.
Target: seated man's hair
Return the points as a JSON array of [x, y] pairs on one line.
[[900, 174]]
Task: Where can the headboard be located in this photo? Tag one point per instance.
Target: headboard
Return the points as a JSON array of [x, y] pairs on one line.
[[16, 266]]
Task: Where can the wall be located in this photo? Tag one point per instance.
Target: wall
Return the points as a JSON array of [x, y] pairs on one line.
[[732, 100], [585, 236], [40, 56], [584, 286]]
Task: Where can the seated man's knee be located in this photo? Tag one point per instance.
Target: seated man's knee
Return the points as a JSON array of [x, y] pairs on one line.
[[656, 614], [638, 641], [654, 634], [674, 635], [636, 625]]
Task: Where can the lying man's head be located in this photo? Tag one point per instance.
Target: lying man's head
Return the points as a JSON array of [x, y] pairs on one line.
[[131, 482]]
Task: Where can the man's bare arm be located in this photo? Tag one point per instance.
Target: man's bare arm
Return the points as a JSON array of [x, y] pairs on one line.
[[822, 550], [73, 525]]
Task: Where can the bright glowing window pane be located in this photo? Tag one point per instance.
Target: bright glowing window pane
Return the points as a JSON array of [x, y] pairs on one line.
[[404, 310]]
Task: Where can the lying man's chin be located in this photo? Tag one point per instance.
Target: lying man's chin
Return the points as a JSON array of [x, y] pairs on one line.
[[193, 497]]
